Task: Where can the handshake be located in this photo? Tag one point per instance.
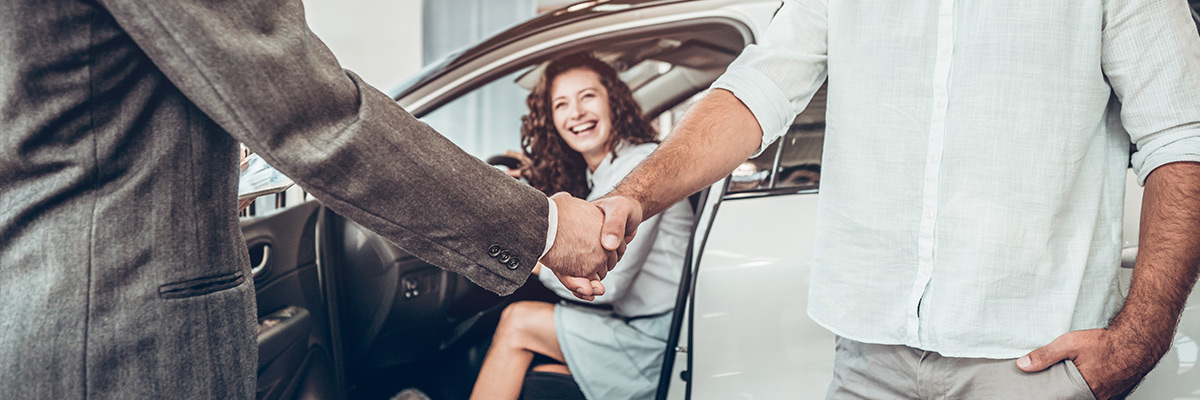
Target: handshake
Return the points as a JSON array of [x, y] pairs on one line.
[[591, 238]]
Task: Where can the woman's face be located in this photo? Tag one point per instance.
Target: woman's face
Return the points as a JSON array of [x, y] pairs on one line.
[[582, 116]]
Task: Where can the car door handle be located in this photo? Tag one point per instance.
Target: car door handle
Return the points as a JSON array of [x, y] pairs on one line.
[[260, 255], [1128, 257]]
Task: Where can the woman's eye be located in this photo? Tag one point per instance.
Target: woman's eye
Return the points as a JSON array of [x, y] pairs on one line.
[[558, 106]]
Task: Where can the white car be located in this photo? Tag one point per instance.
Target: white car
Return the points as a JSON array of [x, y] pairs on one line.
[[381, 320]]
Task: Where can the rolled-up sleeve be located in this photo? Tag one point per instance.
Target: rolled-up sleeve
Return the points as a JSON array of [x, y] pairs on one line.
[[777, 77], [1151, 56]]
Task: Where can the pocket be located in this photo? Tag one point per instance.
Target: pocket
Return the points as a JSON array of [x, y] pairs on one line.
[[1085, 391], [201, 286]]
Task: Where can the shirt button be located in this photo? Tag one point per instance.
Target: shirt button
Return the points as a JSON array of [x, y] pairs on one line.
[[933, 158], [940, 104], [930, 214]]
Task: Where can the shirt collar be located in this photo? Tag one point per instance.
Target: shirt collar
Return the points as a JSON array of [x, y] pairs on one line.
[[608, 159]]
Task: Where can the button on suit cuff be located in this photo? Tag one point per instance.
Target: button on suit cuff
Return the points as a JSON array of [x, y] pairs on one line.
[[552, 231]]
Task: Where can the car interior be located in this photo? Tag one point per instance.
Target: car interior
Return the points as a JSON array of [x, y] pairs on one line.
[[343, 312]]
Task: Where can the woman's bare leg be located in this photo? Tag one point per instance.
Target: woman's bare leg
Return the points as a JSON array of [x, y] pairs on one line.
[[553, 367], [525, 328]]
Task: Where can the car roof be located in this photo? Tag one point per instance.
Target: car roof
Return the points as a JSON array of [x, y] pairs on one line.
[[580, 11]]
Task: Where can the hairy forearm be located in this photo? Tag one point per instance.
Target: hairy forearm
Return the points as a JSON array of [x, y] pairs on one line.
[[1168, 258], [712, 139]]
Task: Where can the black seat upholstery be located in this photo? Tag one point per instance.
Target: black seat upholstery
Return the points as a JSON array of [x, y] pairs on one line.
[[550, 386]]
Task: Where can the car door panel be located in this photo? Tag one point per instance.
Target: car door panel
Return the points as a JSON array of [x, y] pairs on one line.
[[397, 308], [751, 335], [296, 352]]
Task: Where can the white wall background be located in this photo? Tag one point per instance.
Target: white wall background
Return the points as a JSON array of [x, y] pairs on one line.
[[380, 40]]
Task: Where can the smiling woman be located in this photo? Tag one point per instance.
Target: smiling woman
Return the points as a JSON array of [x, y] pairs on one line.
[[585, 132], [577, 112]]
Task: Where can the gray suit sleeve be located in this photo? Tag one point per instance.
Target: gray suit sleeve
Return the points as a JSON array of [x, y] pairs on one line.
[[255, 68]]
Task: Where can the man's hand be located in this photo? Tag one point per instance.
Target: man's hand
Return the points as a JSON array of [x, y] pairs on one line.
[[622, 216], [578, 286], [577, 258], [571, 283], [1111, 361]]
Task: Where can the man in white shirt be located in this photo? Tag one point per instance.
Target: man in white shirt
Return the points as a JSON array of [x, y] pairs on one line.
[[974, 164]]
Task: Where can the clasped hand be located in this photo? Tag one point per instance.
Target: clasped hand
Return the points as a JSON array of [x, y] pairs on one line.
[[591, 239]]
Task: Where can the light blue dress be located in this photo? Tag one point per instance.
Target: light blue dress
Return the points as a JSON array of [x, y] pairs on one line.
[[618, 354]]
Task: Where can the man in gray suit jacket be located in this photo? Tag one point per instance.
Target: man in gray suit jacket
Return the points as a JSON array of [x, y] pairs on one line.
[[123, 273]]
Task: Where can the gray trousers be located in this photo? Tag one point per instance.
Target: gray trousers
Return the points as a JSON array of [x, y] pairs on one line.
[[876, 371]]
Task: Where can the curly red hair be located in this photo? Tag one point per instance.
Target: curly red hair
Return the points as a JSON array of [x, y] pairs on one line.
[[557, 167]]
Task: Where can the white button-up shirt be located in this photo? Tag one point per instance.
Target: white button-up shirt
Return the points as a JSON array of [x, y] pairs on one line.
[[975, 156]]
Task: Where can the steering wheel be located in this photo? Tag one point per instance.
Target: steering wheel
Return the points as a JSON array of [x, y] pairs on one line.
[[510, 162]]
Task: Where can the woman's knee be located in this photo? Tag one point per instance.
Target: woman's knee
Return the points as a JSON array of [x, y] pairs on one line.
[[515, 319]]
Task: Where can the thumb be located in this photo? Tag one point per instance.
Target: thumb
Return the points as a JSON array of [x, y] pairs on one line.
[[621, 218], [613, 230], [1043, 357]]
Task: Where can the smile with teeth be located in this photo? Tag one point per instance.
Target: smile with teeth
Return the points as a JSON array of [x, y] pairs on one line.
[[583, 127]]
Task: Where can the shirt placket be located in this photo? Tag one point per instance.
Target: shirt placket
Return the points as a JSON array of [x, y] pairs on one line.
[[927, 237]]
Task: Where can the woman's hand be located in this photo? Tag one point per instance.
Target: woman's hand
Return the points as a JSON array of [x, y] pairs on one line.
[[525, 163], [536, 268]]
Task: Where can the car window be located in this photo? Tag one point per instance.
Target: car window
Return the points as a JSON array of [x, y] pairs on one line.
[[791, 164], [485, 121]]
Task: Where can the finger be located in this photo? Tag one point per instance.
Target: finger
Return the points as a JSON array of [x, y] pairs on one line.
[[1043, 357], [581, 287], [612, 260], [597, 287], [621, 250], [584, 289], [613, 228]]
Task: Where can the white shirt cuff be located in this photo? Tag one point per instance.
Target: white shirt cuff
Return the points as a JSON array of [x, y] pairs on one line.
[[765, 100], [553, 230]]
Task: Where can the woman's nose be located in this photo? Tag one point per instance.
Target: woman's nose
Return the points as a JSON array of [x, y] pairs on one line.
[[576, 111]]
